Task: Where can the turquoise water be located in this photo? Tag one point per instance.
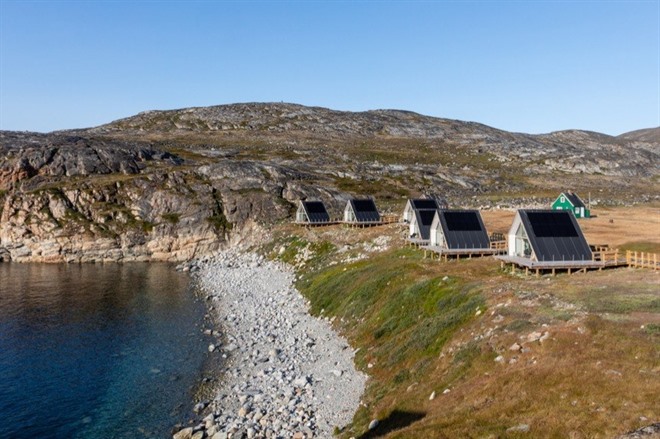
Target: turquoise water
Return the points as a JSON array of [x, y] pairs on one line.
[[97, 351]]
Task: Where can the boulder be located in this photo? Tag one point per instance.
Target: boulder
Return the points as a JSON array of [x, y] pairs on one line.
[[186, 433]]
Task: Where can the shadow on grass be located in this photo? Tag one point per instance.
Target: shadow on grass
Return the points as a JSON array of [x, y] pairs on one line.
[[396, 420]]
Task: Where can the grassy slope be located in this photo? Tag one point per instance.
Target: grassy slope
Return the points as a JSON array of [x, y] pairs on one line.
[[422, 326]]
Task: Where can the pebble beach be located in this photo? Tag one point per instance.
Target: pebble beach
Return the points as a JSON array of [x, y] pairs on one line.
[[285, 373]]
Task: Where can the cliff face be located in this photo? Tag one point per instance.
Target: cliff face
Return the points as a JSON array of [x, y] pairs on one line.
[[174, 185], [85, 200]]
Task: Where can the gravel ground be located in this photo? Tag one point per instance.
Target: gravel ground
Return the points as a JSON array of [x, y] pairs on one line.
[[286, 374]]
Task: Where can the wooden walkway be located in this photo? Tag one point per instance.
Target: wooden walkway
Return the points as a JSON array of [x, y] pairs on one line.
[[316, 224], [384, 219], [417, 242], [643, 260], [602, 257], [444, 253], [553, 266]]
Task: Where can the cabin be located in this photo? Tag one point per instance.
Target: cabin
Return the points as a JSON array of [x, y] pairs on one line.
[[361, 212], [552, 240], [312, 213], [459, 231], [570, 201], [415, 204], [420, 225], [544, 236]]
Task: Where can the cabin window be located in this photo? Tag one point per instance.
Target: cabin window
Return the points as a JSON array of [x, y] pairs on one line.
[[523, 248], [577, 210], [562, 199]]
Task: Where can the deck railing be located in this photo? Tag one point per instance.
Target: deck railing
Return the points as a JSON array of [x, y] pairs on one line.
[[390, 218], [499, 245], [642, 260], [605, 255]]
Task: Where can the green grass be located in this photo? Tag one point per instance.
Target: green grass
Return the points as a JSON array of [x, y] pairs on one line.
[[172, 218], [218, 220], [318, 253], [652, 329], [622, 303], [641, 246], [377, 188], [405, 317], [618, 296]]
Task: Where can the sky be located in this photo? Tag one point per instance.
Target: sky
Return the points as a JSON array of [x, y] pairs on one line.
[[524, 66]]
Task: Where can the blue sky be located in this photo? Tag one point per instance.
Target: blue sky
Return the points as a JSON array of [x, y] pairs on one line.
[[527, 66]]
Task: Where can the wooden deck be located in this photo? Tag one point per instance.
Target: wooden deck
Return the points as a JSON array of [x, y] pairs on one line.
[[384, 219], [361, 224], [602, 258], [316, 224], [417, 242], [643, 260], [562, 265], [444, 253]]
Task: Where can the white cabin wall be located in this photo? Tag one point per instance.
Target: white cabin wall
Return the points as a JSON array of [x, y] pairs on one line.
[[512, 235], [348, 213], [407, 213]]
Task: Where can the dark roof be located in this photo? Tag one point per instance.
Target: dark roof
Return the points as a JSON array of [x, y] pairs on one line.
[[555, 235], [365, 210], [316, 211], [574, 199], [424, 220], [423, 203], [463, 229]]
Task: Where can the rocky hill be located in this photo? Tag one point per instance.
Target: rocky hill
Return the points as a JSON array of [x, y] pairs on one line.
[[649, 135], [169, 185]]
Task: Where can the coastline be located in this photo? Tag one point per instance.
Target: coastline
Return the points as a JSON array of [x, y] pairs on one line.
[[284, 373]]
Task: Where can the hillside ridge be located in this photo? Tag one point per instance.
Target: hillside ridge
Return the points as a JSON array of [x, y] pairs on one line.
[[170, 185]]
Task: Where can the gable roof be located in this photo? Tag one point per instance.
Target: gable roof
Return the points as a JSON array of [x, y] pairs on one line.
[[424, 219], [316, 211], [573, 198], [554, 235], [463, 229], [364, 209], [423, 203]]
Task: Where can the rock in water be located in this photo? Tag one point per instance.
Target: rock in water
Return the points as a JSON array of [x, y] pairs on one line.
[[186, 433]]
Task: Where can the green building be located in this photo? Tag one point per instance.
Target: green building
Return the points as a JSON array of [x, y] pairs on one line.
[[570, 201]]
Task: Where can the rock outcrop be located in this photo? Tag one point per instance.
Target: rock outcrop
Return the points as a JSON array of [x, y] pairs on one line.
[[173, 185]]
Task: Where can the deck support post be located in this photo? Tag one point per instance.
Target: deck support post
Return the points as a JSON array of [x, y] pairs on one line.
[[537, 272]]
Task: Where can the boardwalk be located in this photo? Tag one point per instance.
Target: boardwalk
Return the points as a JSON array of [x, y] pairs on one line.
[[445, 253], [603, 257]]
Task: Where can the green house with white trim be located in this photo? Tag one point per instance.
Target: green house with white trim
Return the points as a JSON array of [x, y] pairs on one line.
[[570, 201]]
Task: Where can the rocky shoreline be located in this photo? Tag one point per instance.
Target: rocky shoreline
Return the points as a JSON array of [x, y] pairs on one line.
[[285, 373]]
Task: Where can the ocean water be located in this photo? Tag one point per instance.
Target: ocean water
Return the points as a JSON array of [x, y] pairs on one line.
[[97, 351]]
